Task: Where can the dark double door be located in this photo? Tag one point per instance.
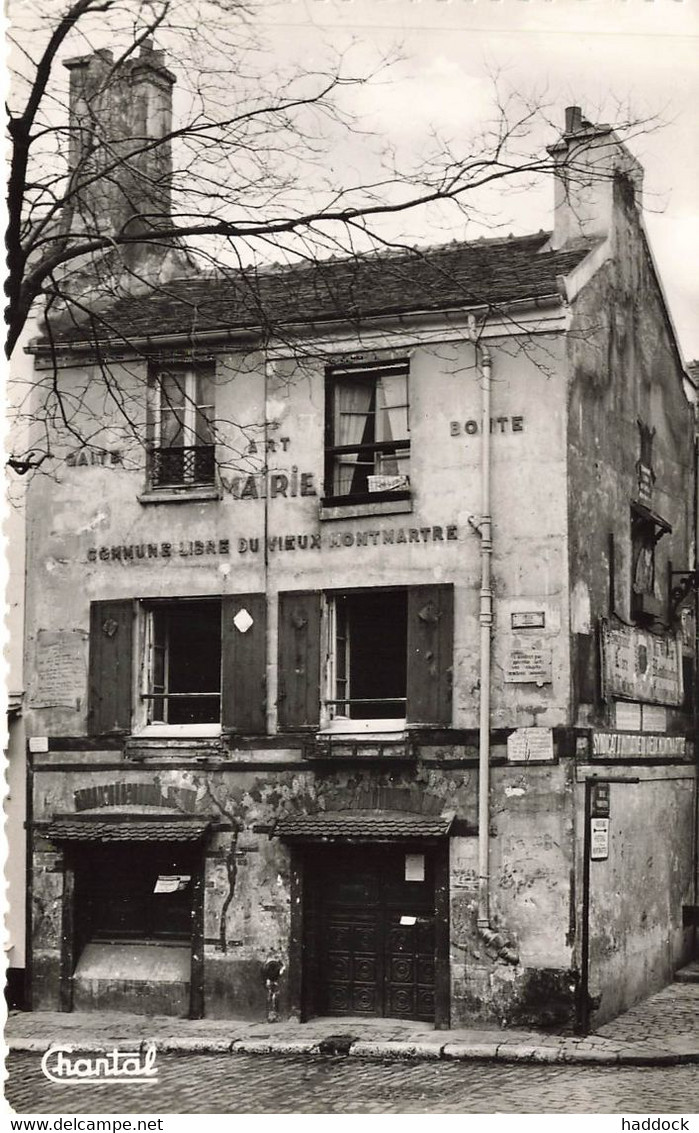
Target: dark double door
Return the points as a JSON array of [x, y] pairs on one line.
[[371, 932]]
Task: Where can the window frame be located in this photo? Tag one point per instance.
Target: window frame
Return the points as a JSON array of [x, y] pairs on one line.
[[331, 721], [193, 411], [143, 724], [367, 372]]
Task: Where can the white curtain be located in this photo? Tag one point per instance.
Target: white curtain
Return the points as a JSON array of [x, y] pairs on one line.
[[352, 405], [392, 418]]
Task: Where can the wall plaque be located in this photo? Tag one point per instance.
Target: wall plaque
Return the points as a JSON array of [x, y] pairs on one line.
[[61, 668], [526, 744], [529, 663]]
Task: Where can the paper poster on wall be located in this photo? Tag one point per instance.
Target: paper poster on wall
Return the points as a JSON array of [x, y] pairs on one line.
[[599, 839], [627, 716], [172, 882], [414, 867], [525, 744]]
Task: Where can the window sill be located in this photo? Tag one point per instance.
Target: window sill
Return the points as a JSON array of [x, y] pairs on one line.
[[171, 744], [372, 746], [178, 731], [369, 507], [179, 495], [384, 730]]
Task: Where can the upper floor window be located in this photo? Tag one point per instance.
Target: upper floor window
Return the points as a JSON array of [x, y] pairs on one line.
[[647, 529], [367, 657], [181, 452], [182, 670], [363, 661], [181, 666], [367, 452]]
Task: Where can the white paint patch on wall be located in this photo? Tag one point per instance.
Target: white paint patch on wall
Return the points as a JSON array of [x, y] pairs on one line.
[[580, 613]]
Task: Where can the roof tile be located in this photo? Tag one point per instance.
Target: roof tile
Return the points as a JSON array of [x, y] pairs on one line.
[[453, 276], [116, 830], [362, 826]]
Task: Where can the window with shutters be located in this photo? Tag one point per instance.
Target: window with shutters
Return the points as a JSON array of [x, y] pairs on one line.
[[181, 685], [365, 660], [181, 450], [366, 672], [202, 666], [367, 453]]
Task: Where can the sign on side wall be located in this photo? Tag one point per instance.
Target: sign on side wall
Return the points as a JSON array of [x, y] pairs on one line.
[[599, 839], [530, 744], [638, 665]]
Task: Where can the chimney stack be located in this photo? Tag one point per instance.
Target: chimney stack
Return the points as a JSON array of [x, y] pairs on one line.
[[590, 161], [122, 180]]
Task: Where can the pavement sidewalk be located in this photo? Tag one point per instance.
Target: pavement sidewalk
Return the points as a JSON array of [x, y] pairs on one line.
[[663, 1030]]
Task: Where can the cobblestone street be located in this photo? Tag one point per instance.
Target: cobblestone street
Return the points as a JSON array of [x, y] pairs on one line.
[[284, 1084]]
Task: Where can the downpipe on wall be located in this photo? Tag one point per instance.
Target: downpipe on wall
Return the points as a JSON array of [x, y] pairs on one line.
[[491, 936]]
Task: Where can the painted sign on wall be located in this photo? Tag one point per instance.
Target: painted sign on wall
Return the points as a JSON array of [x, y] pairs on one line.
[[620, 745], [638, 665]]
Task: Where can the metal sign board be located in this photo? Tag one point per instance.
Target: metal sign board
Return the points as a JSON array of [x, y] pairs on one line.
[[528, 619], [599, 839], [638, 665], [600, 800], [624, 745]]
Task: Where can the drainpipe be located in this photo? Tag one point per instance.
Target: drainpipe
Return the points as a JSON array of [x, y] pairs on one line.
[[491, 936], [486, 623]]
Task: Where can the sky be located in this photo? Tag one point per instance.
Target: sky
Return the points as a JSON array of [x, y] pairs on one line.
[[599, 54], [614, 58]]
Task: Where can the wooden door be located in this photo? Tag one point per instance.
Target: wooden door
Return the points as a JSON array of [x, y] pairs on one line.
[[376, 952]]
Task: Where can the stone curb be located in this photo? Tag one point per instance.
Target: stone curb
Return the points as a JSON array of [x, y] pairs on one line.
[[275, 1046], [414, 1050], [409, 1051]]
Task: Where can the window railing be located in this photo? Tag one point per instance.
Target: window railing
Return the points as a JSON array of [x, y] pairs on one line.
[[179, 466]]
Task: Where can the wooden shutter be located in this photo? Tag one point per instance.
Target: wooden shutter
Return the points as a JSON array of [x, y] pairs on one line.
[[430, 654], [299, 659], [110, 680], [244, 663]]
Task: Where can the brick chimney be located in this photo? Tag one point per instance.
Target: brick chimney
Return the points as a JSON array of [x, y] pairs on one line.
[[591, 165], [116, 113]]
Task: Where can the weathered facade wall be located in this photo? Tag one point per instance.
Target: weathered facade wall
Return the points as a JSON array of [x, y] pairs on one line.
[[532, 899], [637, 941], [247, 895], [90, 512], [625, 378], [624, 370]]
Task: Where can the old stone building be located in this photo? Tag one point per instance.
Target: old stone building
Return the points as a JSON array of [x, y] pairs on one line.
[[365, 667]]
